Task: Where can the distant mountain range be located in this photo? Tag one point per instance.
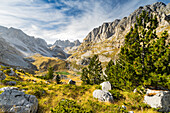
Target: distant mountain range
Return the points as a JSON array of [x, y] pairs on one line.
[[107, 39], [15, 45]]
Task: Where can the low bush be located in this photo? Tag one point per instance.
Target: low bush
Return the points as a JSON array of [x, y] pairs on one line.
[[116, 95], [69, 106]]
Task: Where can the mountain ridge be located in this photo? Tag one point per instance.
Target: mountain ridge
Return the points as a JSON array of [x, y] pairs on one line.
[[107, 39], [16, 45]]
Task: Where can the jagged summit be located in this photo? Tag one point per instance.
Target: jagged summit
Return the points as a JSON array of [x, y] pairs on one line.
[[109, 37], [66, 43], [15, 45]]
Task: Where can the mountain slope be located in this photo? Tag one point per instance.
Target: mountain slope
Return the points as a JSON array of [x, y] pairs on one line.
[[16, 45], [107, 39], [67, 46]]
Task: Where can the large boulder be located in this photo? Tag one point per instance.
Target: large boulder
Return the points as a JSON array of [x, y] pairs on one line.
[[12, 100], [103, 95], [158, 99], [106, 86], [2, 75]]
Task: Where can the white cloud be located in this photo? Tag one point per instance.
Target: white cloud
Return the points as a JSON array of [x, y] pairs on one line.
[[43, 20]]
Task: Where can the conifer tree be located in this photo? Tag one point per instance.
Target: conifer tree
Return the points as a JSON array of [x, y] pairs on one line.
[[109, 65], [143, 56], [50, 72], [93, 73]]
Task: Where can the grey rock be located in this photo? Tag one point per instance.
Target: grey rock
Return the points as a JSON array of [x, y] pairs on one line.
[[11, 83], [106, 86], [56, 49], [71, 82], [103, 95], [12, 100], [8, 88], [2, 75], [83, 61], [66, 43], [158, 99]]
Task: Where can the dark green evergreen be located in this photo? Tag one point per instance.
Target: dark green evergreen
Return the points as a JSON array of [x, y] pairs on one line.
[[93, 73], [50, 72], [143, 58]]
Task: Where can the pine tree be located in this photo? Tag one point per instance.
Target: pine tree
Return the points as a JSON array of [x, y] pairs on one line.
[[50, 72], [111, 63], [93, 73], [143, 57]]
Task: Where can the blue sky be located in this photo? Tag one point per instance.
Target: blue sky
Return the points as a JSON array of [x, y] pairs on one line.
[[64, 19]]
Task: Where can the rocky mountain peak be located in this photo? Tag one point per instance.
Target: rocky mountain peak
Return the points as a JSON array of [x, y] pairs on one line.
[[109, 37], [15, 45], [66, 43], [77, 43]]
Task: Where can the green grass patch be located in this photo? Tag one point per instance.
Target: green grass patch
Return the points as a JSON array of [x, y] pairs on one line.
[[63, 73]]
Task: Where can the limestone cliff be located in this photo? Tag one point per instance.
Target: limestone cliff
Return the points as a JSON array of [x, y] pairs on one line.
[[107, 39]]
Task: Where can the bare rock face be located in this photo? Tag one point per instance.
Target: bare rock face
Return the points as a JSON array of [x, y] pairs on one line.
[[111, 35], [15, 45], [103, 95], [2, 75], [56, 49], [12, 100], [158, 99], [66, 43]]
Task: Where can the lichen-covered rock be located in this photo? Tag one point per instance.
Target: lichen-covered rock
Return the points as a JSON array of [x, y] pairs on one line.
[[103, 95], [106, 86], [12, 100], [2, 75], [158, 99]]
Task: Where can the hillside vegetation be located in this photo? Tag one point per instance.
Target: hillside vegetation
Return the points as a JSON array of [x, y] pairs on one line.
[[55, 97]]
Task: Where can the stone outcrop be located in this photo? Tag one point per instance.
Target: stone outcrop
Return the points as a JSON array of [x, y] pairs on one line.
[[103, 95], [158, 99], [15, 101], [106, 86], [2, 75]]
